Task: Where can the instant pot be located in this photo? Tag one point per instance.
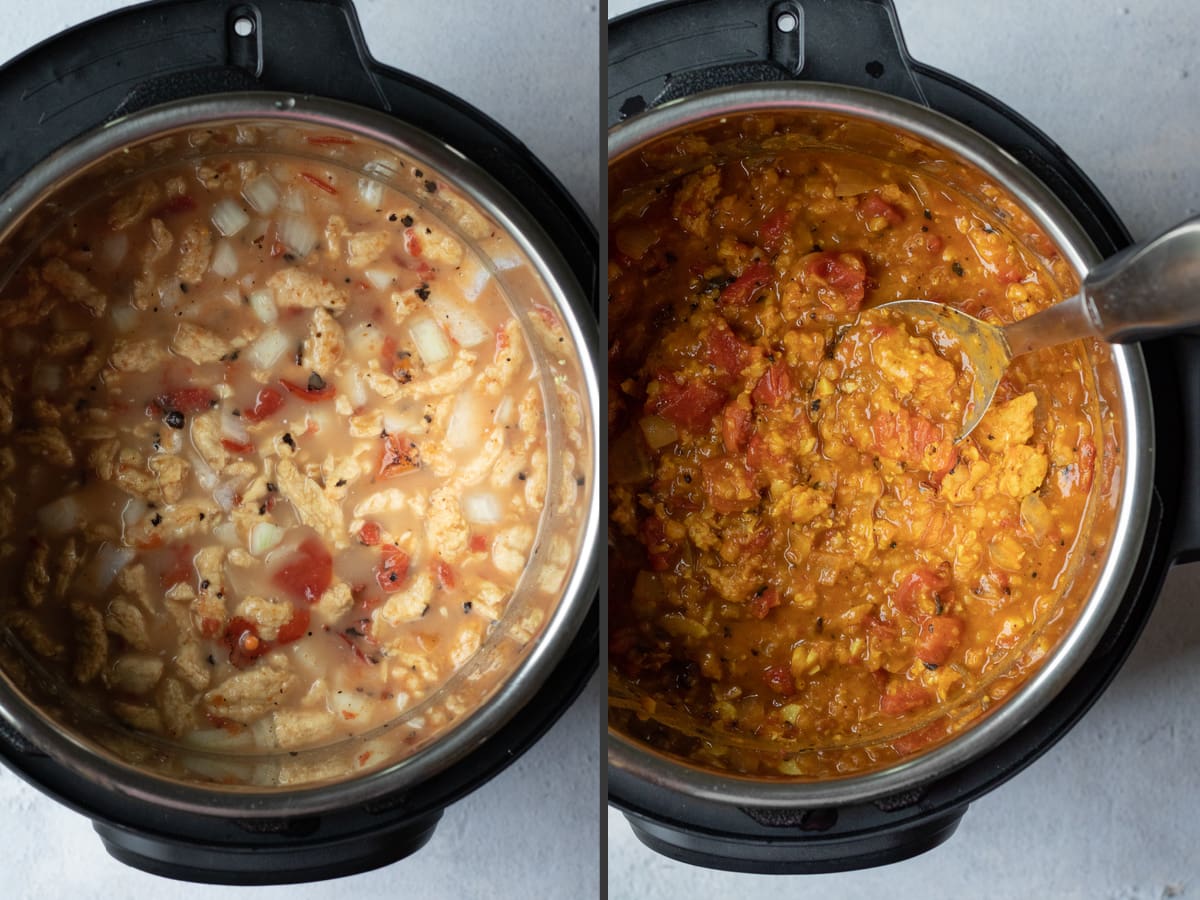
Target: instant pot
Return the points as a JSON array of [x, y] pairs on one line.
[[726, 57], [164, 67]]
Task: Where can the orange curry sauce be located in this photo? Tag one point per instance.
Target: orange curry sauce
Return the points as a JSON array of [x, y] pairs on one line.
[[808, 574]]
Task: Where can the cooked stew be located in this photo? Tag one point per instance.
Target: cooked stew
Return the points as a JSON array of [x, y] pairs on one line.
[[809, 570]]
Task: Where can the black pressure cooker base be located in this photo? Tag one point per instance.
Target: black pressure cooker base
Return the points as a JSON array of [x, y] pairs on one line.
[[777, 855], [291, 861], [674, 49]]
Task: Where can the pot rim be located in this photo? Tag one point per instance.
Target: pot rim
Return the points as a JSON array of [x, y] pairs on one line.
[[99, 766], [636, 762]]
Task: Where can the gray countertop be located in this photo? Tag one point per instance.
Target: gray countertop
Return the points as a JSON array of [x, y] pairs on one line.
[[1109, 812], [538, 822]]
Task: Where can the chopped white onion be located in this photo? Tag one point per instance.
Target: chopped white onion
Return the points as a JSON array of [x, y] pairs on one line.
[[504, 411], [356, 387], [135, 509], [113, 249], [262, 193], [263, 304], [467, 422], [381, 168], [232, 296], [506, 261], [371, 192], [431, 341], [298, 234], [224, 493], [169, 294], [60, 516], [227, 534], [228, 217], [268, 348], [265, 536], [475, 279], [47, 378], [481, 508], [234, 427], [380, 278], [108, 561], [658, 432], [464, 326], [397, 422], [293, 201], [204, 472], [224, 259]]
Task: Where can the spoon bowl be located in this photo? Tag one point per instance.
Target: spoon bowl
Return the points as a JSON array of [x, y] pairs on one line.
[[985, 346]]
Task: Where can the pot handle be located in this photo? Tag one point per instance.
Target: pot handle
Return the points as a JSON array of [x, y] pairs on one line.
[[138, 57], [679, 48]]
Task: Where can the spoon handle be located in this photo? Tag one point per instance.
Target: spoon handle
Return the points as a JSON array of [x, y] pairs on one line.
[[1143, 292], [1149, 290]]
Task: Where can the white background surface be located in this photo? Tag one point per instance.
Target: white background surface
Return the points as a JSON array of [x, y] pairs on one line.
[[1111, 811], [538, 822]]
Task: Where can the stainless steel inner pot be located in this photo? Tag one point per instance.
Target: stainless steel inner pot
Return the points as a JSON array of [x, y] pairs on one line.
[[1131, 399], [534, 275]]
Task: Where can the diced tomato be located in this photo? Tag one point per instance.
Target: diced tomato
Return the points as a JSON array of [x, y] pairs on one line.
[[186, 400], [309, 394], [478, 543], [237, 446], [773, 229], [296, 627], [939, 635], [242, 640], [370, 534], [779, 679], [412, 243], [934, 243], [736, 427], [399, 455], [322, 140], [690, 405], [913, 438], [181, 204], [319, 183], [774, 385], [923, 592], [763, 602], [845, 273], [753, 279], [179, 568], [266, 403], [723, 349], [388, 358], [308, 573], [445, 575], [392, 569], [901, 697], [872, 206]]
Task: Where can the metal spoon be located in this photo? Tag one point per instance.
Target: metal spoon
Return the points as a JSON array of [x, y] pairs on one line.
[[1145, 291]]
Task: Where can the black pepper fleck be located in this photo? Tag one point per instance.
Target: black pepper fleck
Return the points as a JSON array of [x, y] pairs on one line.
[[407, 221], [174, 418], [157, 520], [422, 291]]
